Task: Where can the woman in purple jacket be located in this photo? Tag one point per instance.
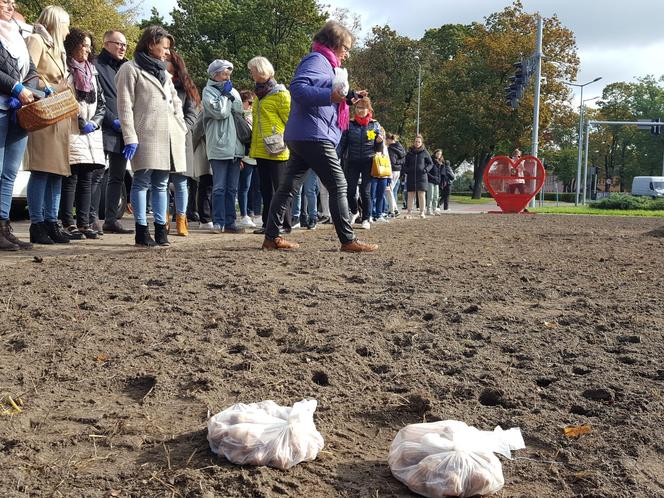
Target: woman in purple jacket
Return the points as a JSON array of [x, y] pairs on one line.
[[318, 115]]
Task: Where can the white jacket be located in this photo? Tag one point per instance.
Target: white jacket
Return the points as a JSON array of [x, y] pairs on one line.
[[87, 149]]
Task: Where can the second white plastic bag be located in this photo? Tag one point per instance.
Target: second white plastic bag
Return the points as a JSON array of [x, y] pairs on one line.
[[266, 434], [450, 458]]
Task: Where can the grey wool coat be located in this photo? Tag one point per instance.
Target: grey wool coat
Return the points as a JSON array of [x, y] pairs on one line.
[[151, 116]]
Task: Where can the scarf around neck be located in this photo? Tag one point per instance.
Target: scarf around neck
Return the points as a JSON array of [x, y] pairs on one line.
[[262, 89], [343, 118], [153, 66], [82, 72], [14, 44], [363, 121]]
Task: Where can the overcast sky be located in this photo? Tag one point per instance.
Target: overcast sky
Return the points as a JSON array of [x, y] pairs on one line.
[[618, 40]]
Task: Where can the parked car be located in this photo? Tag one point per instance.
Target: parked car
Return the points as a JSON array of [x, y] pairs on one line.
[[652, 186]]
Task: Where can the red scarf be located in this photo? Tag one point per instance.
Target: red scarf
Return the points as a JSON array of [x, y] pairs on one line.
[[343, 118], [363, 121]]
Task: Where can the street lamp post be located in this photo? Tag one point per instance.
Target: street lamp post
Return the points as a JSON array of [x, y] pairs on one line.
[[419, 90], [578, 166]]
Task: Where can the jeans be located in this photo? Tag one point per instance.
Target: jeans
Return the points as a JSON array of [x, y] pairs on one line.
[[271, 175], [322, 158], [255, 203], [181, 192], [77, 191], [225, 178], [246, 175], [13, 140], [432, 197], [445, 196], [44, 196], [157, 181], [396, 184], [310, 190], [378, 187], [205, 198], [95, 197], [117, 166], [354, 171]]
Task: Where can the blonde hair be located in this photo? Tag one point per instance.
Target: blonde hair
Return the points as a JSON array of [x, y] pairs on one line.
[[56, 21], [262, 66]]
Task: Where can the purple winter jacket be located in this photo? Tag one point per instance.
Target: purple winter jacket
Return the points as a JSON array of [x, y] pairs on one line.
[[313, 116]]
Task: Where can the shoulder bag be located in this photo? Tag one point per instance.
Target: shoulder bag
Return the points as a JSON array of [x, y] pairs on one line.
[[274, 144]]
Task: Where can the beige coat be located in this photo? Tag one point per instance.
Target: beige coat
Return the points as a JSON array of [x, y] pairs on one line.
[[48, 149], [151, 116]]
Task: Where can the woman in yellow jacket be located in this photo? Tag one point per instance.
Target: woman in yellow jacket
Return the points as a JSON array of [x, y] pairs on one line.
[[269, 115]]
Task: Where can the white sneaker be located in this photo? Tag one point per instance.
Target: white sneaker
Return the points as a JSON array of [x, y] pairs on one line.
[[296, 225], [366, 225], [381, 219], [407, 216], [422, 215], [205, 226], [217, 228], [437, 212], [353, 217], [246, 221], [429, 212]]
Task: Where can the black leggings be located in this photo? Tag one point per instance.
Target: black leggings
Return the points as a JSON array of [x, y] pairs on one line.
[[77, 191], [354, 171]]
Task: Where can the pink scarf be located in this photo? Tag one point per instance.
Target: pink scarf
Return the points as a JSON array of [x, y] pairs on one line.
[[343, 118], [82, 75]]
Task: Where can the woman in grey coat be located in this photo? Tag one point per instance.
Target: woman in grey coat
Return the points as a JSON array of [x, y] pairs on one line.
[[153, 129]]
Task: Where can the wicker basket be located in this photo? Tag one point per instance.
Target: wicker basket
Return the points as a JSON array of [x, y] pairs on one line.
[[48, 111]]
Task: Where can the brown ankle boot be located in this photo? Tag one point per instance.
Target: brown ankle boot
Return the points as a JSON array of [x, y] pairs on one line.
[[279, 243], [357, 246], [7, 232], [181, 225], [6, 245]]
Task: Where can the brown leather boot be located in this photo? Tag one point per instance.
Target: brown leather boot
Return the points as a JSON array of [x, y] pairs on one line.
[[357, 246], [181, 225], [7, 232], [6, 245], [279, 243]]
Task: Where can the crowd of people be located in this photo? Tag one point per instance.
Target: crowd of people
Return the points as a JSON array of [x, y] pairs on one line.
[[287, 157]]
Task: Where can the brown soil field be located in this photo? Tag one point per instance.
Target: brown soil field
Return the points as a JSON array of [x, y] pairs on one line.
[[538, 322]]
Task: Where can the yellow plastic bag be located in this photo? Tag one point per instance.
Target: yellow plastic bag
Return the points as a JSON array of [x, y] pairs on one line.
[[381, 167]]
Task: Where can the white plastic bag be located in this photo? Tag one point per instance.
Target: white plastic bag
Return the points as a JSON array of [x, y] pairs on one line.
[[450, 458], [340, 81], [266, 434]]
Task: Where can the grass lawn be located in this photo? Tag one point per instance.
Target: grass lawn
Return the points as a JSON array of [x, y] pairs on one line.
[[594, 211], [464, 199]]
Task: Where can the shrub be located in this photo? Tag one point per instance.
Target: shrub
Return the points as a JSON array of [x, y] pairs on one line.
[[623, 201]]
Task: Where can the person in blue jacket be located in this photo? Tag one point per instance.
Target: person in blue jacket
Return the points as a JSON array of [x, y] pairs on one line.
[[318, 115]]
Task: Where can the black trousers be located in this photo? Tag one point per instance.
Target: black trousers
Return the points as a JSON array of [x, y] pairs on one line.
[[355, 170], [117, 166], [95, 195], [322, 158], [445, 196], [192, 186], [204, 198], [77, 191], [271, 175]]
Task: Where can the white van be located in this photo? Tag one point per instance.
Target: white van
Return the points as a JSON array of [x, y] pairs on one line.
[[652, 186]]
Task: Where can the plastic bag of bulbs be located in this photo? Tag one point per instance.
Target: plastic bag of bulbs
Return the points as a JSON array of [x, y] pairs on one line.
[[266, 434], [450, 458]]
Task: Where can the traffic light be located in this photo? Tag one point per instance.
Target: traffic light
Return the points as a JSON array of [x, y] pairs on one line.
[[518, 82], [655, 130]]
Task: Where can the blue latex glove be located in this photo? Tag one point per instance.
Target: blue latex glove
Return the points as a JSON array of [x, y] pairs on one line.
[[130, 151], [49, 91], [116, 125], [88, 128], [14, 104], [228, 86], [18, 88]]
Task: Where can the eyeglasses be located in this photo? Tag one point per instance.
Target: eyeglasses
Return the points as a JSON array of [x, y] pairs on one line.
[[119, 44], [346, 49], [250, 102]]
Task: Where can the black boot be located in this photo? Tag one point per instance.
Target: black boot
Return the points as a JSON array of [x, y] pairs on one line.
[[7, 231], [161, 235], [39, 234], [56, 232], [142, 237]]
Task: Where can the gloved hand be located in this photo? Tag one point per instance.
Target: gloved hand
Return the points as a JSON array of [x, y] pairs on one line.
[[14, 104], [88, 128], [18, 88], [49, 91], [116, 125], [129, 151], [228, 86]]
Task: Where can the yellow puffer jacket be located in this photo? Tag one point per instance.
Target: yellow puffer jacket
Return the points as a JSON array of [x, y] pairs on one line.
[[274, 109]]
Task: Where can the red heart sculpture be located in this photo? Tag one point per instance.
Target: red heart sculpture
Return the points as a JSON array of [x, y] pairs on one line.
[[514, 184]]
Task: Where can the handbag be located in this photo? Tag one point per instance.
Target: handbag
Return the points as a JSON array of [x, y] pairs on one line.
[[274, 144], [242, 128], [47, 111], [381, 167]]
